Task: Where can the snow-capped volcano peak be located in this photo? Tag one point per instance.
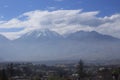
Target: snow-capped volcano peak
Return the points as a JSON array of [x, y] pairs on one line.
[[41, 34]]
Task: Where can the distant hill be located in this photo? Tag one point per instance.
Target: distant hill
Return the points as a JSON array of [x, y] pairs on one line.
[[90, 36], [3, 39]]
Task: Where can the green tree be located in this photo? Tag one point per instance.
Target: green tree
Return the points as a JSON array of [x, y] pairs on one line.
[[55, 78], [81, 70], [4, 75]]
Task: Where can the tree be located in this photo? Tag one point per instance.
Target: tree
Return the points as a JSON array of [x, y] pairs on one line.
[[56, 78], [4, 75], [116, 73], [10, 70], [81, 70]]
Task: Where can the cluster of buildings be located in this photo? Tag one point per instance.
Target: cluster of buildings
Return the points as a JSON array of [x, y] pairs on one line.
[[29, 71]]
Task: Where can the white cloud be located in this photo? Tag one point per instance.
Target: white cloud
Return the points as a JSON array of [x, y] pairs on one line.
[[63, 22], [111, 26]]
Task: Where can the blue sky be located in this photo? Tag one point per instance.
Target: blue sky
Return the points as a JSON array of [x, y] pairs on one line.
[[10, 9], [18, 17]]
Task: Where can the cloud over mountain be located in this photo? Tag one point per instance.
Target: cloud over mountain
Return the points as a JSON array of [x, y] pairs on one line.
[[63, 22]]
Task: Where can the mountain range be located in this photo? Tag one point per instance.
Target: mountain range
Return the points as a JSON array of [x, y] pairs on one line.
[[49, 45]]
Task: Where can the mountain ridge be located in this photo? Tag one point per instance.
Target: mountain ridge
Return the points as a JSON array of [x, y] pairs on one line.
[[69, 47], [48, 34], [79, 35]]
